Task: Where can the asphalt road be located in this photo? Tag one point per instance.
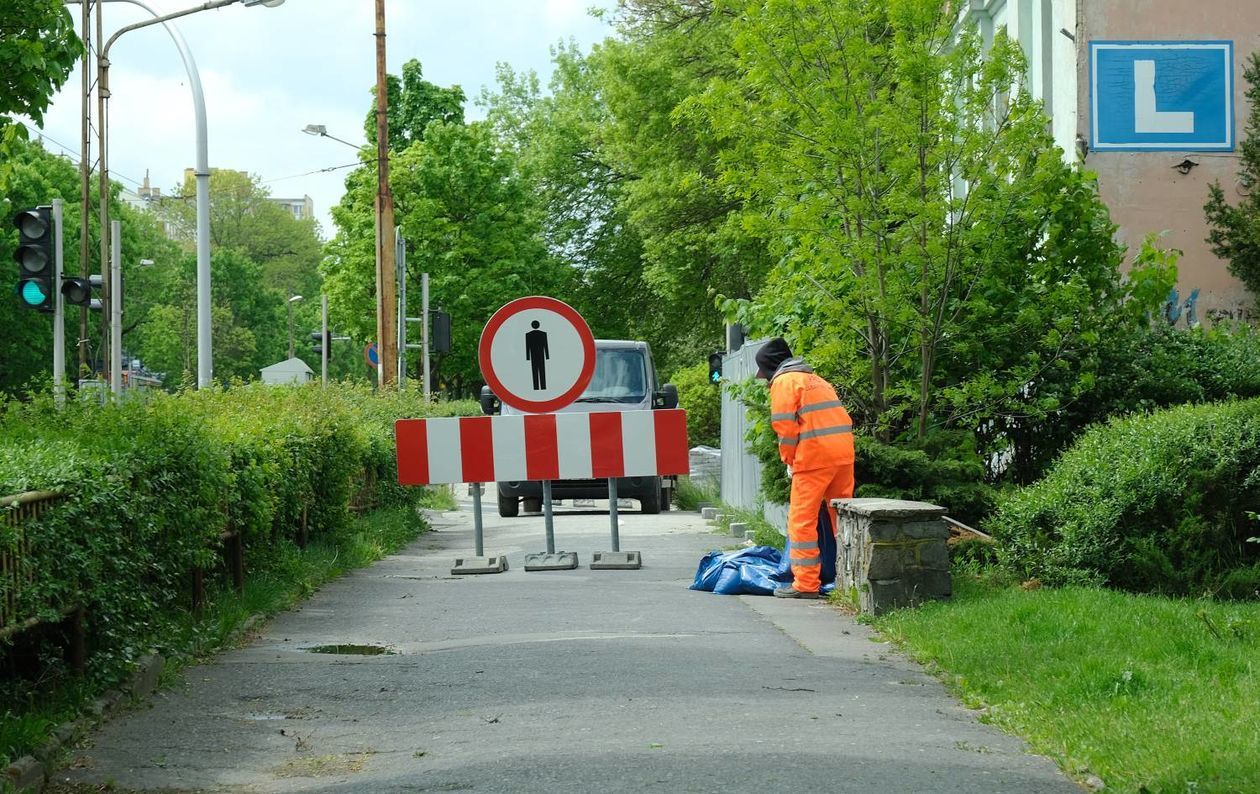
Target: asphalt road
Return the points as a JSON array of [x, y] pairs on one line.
[[568, 681]]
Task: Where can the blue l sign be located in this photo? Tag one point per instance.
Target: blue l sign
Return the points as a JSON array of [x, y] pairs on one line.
[[1162, 95]]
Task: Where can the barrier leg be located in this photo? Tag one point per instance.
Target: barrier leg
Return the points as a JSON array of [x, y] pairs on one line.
[[547, 518], [612, 512], [477, 518]]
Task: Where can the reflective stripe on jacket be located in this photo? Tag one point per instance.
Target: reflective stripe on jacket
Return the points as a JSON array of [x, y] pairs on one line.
[[813, 428]]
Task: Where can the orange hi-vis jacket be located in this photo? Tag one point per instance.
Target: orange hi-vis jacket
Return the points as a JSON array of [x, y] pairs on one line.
[[814, 429]]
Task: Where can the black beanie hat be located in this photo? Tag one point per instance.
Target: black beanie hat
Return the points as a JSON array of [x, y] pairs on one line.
[[771, 355]]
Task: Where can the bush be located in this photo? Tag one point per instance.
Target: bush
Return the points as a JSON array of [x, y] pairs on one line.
[[944, 469], [1154, 503], [1139, 370], [150, 486], [703, 402]]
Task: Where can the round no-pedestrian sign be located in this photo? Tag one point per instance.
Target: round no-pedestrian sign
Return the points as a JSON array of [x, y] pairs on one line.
[[537, 354]]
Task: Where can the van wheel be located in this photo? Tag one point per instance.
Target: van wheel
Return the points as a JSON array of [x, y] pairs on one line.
[[667, 496], [509, 507], [650, 502]]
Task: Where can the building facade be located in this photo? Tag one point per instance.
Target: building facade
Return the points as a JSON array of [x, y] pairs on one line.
[[300, 208], [1150, 93]]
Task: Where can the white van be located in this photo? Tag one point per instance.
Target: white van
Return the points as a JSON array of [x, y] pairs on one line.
[[624, 380]]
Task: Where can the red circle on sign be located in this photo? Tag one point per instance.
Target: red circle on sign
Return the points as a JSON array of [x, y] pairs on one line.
[[549, 304]]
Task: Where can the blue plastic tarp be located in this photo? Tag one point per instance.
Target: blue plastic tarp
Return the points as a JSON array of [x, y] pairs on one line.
[[760, 570]]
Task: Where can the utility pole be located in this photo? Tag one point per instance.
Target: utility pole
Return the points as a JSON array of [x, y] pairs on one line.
[[386, 301]]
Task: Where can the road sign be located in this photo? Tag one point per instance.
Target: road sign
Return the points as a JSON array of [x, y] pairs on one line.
[[1162, 95], [572, 446], [537, 354], [370, 355]]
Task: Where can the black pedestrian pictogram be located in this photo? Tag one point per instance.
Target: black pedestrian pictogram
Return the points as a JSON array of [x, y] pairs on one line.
[[536, 353]]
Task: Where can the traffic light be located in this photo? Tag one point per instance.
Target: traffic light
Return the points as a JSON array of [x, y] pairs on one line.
[[715, 368], [441, 341], [34, 256], [79, 291], [321, 342]]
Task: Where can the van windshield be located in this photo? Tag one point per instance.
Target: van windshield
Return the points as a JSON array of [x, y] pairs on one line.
[[620, 377]]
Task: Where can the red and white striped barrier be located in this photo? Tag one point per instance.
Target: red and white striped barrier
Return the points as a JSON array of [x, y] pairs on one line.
[[571, 446]]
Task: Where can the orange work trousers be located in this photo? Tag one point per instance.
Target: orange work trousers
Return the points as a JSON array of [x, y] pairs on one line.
[[810, 489]]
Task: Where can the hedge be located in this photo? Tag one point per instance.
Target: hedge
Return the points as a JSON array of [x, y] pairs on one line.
[[1152, 503], [151, 484]]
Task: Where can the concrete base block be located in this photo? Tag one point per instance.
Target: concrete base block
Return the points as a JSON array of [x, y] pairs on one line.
[[25, 774], [708, 513], [738, 528], [145, 680], [472, 565], [616, 561], [559, 561]]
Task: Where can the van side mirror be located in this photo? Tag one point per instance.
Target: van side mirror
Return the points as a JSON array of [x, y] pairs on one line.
[[489, 403], [666, 397]]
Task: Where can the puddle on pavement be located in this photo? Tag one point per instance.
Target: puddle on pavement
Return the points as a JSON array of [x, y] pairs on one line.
[[352, 650]]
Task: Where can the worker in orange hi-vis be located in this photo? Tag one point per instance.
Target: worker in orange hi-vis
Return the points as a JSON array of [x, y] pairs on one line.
[[816, 442]]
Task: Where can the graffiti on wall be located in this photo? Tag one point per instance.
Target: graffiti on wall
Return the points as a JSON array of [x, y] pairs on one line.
[[1175, 308], [1185, 311]]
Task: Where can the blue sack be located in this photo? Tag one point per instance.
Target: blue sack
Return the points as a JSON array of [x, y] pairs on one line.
[[747, 571], [760, 570]]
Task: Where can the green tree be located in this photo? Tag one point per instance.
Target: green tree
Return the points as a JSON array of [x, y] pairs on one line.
[[1234, 232], [413, 104], [934, 254], [556, 142], [248, 320], [469, 220], [36, 177], [697, 237], [243, 218], [38, 48]]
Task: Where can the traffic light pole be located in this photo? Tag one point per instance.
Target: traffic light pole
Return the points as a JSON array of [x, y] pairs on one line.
[[59, 307]]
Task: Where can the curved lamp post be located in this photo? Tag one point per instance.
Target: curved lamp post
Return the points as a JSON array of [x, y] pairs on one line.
[[205, 361]]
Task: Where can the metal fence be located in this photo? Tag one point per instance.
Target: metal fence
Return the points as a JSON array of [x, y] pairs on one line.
[[17, 572]]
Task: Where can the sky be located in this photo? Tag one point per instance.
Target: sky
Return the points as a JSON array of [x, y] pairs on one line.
[[268, 72]]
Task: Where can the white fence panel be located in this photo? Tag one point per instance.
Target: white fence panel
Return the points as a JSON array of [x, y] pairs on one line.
[[741, 471]]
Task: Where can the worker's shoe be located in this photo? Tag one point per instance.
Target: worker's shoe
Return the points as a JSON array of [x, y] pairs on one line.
[[792, 592]]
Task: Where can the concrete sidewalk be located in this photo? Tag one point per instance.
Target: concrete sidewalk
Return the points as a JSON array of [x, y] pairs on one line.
[[569, 681]]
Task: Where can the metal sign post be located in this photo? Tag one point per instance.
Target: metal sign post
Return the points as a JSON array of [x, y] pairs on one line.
[[476, 494], [547, 518], [325, 342], [480, 563], [612, 512], [615, 560]]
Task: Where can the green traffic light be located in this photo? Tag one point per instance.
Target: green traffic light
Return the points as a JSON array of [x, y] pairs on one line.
[[32, 294]]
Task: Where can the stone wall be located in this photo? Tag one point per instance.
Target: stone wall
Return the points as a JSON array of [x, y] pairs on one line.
[[893, 553]]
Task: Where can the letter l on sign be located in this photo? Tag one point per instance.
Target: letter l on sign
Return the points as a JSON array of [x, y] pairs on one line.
[[1146, 117]]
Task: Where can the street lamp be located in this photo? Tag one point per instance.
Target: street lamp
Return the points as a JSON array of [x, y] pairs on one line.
[[322, 131], [205, 366], [386, 296], [292, 300]]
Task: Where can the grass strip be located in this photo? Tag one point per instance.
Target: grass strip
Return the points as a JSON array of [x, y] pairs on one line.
[[1150, 694]]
